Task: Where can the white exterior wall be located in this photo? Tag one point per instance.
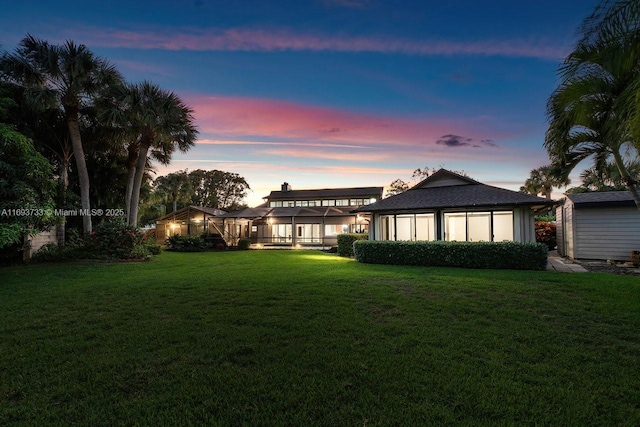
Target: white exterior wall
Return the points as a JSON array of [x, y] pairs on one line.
[[565, 236], [603, 233]]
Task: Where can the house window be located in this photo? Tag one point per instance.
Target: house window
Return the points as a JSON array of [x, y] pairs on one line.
[[387, 228], [478, 226], [455, 227], [281, 233], [332, 230], [409, 227], [308, 233], [425, 227], [405, 227], [503, 226], [342, 202], [277, 204]]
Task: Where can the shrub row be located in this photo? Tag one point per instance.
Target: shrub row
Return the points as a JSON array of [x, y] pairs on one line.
[[111, 240], [345, 242], [494, 255], [201, 243]]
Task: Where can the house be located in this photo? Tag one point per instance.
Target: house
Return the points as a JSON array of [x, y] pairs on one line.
[[448, 206], [188, 221], [301, 217], [598, 226]]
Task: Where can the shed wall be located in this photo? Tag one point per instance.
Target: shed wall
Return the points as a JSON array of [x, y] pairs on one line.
[[606, 233]]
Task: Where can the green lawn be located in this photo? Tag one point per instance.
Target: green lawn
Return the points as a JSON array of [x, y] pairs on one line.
[[306, 338]]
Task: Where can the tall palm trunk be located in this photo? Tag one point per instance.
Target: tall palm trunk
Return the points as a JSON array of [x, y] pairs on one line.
[[627, 179], [64, 184], [83, 174], [137, 181], [131, 173]]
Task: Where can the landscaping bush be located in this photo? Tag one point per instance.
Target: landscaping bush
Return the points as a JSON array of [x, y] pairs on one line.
[[345, 242], [244, 244], [186, 244], [494, 255], [116, 240], [546, 233], [111, 240]]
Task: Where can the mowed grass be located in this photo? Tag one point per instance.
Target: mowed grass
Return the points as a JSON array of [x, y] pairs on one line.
[[306, 338]]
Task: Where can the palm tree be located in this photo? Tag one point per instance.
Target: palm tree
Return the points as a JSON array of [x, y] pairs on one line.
[[175, 186], [68, 76], [590, 113], [542, 180], [607, 178], [163, 124]]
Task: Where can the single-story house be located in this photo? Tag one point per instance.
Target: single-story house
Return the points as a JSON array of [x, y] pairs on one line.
[[598, 226], [448, 206], [188, 221]]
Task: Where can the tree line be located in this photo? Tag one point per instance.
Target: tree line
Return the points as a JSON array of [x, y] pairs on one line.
[[68, 115]]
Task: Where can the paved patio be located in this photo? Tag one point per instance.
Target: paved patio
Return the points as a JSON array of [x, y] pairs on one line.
[[556, 263]]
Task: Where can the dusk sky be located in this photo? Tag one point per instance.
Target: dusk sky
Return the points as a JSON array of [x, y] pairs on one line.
[[335, 93]]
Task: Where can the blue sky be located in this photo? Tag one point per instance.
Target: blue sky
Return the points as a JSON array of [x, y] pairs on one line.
[[335, 93]]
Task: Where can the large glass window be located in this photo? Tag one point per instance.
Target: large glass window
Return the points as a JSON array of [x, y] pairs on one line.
[[405, 227], [308, 233], [410, 227], [455, 227], [425, 227], [479, 226], [502, 226], [281, 233], [387, 230]]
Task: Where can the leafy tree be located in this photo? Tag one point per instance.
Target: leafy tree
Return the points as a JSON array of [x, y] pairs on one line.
[[64, 76], [593, 112], [218, 189], [396, 187], [27, 186], [542, 180]]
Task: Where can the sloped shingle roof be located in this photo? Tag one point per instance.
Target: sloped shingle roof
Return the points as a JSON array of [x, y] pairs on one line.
[[465, 193], [182, 214], [601, 198], [326, 193]]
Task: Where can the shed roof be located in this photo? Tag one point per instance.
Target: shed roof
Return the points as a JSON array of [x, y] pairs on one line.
[[601, 199], [446, 189]]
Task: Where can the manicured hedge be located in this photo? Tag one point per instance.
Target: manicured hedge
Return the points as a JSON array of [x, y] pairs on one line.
[[494, 255], [345, 242]]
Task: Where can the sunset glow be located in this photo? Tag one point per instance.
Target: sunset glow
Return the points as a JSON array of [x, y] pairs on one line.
[[331, 93]]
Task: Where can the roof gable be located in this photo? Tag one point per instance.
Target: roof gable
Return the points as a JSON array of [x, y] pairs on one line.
[[447, 190], [444, 178]]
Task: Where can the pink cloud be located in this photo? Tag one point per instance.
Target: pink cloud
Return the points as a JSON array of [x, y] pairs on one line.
[[244, 118], [275, 40], [330, 155]]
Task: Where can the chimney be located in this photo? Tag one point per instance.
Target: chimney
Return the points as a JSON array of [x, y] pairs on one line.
[[286, 187]]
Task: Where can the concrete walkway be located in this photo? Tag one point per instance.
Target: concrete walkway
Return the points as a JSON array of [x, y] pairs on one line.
[[556, 263]]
